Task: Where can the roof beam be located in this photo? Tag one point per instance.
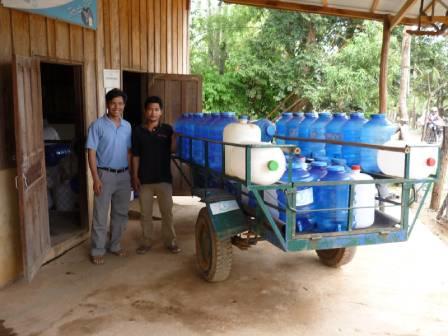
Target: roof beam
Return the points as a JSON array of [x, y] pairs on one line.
[[325, 3], [401, 13], [374, 6]]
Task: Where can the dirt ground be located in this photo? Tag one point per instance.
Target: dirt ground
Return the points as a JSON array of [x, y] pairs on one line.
[[396, 289]]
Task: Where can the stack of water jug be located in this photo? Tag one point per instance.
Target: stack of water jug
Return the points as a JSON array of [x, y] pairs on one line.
[[317, 161]]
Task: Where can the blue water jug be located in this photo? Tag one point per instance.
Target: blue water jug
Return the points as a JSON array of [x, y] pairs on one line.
[[342, 163], [55, 153], [304, 196], [332, 197], [377, 131], [215, 150], [181, 142], [317, 131], [292, 127], [304, 132], [334, 131], [267, 129], [325, 159], [198, 149], [281, 125], [318, 170], [212, 124], [189, 131], [352, 133]]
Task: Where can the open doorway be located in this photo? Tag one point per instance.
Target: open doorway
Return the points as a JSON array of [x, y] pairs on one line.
[[135, 85], [63, 120]]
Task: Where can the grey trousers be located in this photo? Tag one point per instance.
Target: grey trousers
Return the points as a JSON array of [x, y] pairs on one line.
[[115, 195], [164, 193]]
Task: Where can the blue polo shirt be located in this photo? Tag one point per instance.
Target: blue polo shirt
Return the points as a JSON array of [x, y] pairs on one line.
[[111, 143]]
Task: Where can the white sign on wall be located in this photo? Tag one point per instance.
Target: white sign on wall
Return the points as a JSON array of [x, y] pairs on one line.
[[112, 79]]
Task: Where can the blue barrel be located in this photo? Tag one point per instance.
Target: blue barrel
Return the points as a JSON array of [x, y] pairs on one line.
[[189, 130], [334, 131], [352, 133], [281, 125], [178, 128], [267, 129], [377, 131], [332, 197], [304, 196], [210, 131], [215, 150], [317, 131], [318, 170], [198, 149], [181, 142], [292, 127], [304, 132]]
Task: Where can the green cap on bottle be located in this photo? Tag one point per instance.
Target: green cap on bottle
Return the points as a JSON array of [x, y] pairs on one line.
[[273, 165]]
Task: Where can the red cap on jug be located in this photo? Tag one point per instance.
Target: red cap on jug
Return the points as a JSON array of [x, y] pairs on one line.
[[356, 167], [431, 162]]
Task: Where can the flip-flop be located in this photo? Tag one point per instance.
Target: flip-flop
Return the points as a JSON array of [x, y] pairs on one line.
[[119, 253], [97, 260]]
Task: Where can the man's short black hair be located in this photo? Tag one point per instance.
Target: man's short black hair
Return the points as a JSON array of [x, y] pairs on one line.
[[114, 93], [154, 100]]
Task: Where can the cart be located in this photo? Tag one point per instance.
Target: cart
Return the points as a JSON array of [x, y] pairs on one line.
[[225, 221]]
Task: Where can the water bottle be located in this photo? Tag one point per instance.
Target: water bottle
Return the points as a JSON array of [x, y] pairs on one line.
[[342, 163], [304, 132], [351, 132], [332, 197], [281, 125], [198, 149], [334, 131], [292, 127], [318, 170], [317, 131], [377, 131], [364, 199]]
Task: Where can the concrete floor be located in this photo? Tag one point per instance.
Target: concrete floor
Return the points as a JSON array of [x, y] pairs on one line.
[[396, 289]]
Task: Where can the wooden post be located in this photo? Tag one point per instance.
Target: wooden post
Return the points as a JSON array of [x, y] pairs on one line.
[[438, 187], [384, 65]]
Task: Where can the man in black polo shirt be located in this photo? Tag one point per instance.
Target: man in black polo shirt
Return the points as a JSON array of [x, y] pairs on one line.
[[152, 144]]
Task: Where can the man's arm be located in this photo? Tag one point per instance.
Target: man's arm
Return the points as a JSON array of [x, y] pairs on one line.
[[97, 184], [135, 179]]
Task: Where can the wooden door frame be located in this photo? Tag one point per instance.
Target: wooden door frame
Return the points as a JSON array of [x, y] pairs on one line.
[[78, 237]]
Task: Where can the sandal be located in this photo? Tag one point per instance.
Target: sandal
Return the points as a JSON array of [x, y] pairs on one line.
[[143, 249], [173, 248], [97, 260], [119, 253]]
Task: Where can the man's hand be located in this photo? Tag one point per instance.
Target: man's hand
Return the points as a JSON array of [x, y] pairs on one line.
[[136, 183], [97, 186]]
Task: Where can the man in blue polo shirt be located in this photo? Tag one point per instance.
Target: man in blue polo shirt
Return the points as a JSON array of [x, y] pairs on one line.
[[108, 145]]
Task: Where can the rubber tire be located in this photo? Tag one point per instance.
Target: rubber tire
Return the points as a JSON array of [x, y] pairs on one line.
[[215, 260], [336, 257]]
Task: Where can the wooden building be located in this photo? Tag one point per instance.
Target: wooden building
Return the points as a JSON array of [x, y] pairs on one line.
[[54, 70]]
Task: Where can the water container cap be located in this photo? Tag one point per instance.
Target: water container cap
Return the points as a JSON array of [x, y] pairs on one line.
[[270, 130], [354, 115], [318, 164], [310, 115], [339, 115], [199, 114], [356, 167], [379, 116], [229, 114], [244, 117], [337, 169], [321, 159], [431, 162], [339, 162], [273, 165], [298, 114], [287, 114], [325, 115]]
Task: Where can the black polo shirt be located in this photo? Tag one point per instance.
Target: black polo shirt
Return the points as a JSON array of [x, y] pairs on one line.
[[154, 150]]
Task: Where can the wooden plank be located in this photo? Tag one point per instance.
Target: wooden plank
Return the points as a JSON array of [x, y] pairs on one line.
[[143, 35], [175, 44], [38, 35], [6, 102], [173, 100], [20, 33], [169, 36], [157, 36], [401, 13], [106, 32], [114, 29], [150, 24], [163, 37], [325, 3], [180, 36], [62, 38], [439, 186], [135, 29], [76, 43], [89, 76], [101, 108], [186, 58], [124, 34], [374, 6], [384, 67], [51, 38]]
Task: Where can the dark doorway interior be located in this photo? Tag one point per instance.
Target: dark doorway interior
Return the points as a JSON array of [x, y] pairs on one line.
[[135, 86], [62, 107]]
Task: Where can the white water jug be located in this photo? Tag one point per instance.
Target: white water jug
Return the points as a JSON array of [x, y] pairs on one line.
[[267, 164], [423, 160], [364, 197]]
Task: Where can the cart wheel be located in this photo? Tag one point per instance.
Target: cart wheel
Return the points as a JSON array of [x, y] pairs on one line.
[[336, 257], [214, 256]]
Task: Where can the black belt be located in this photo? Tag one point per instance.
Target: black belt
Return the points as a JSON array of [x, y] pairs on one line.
[[116, 171]]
